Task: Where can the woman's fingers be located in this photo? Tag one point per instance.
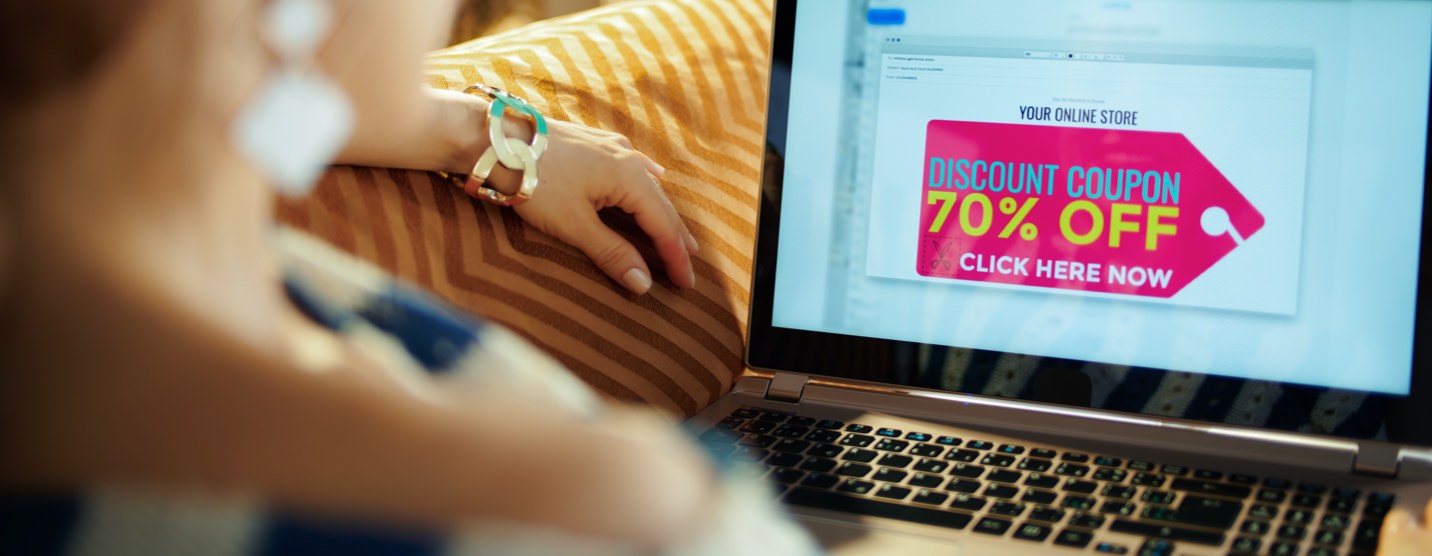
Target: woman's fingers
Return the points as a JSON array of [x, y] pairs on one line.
[[644, 200], [613, 253], [1402, 534]]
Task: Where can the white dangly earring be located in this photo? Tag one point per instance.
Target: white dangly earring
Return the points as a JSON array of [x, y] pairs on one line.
[[298, 120]]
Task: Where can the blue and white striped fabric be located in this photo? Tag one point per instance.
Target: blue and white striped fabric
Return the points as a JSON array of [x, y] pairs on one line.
[[368, 307]]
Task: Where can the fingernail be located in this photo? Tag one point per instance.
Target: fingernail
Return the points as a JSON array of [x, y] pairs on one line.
[[692, 281], [660, 170], [637, 280], [691, 245]]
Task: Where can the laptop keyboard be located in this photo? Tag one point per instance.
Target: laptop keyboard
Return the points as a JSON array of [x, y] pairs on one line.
[[1040, 495]]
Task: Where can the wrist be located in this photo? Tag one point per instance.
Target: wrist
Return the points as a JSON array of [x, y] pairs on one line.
[[471, 140]]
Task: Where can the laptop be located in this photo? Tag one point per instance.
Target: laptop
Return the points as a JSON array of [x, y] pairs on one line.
[[1105, 276]]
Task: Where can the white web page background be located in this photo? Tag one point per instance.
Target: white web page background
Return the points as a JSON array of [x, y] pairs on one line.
[[1357, 262]]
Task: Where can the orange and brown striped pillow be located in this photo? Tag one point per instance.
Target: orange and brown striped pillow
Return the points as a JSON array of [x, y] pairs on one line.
[[685, 80]]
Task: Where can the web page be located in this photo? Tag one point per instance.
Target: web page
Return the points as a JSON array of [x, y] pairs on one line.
[[1228, 188]]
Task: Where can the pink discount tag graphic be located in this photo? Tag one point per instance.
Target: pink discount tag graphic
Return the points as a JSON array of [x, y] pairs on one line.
[[1138, 213]]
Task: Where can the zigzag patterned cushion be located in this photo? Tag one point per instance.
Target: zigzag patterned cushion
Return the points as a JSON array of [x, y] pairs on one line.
[[685, 80]]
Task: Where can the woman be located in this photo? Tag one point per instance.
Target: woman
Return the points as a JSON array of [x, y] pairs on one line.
[[152, 342]]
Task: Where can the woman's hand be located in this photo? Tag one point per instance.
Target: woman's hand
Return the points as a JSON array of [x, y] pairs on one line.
[[1405, 535], [583, 171]]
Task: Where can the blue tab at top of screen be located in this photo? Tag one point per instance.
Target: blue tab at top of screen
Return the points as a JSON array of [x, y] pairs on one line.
[[885, 16]]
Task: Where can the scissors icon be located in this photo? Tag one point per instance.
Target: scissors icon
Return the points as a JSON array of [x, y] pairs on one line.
[[941, 260]]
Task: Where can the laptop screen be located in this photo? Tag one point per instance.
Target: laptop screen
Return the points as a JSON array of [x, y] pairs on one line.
[[1229, 190]]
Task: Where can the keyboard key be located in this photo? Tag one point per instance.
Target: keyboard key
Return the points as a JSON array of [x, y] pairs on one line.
[[801, 421], [1365, 536], [1174, 470], [1263, 511], [1043, 453], [1283, 549], [1116, 491], [1335, 521], [1051, 515], [896, 460], [729, 423], [1254, 527], [1246, 545], [1242, 479], [720, 436], [1291, 532], [1032, 532], [1346, 493], [966, 502], [820, 480], [823, 436], [829, 424], [918, 437], [1138, 465], [997, 460], [1307, 500], [786, 476], [927, 451], [1090, 521], [1272, 496], [968, 486], [1109, 474], [1039, 496], [931, 466], [1312, 488], [1073, 538], [860, 456], [1075, 457], [1118, 508], [1011, 509], [751, 454], [822, 465], [791, 445], [791, 431], [854, 486], [892, 492], [962, 455], [1341, 505], [1077, 502], [1208, 512], [1322, 551], [774, 417], [892, 445], [992, 526], [858, 428], [1010, 449], [1111, 548], [857, 440], [825, 450], [1108, 461], [1001, 491], [1156, 547], [1157, 497], [1328, 536], [1004, 476], [888, 433], [745, 413], [1035, 464], [927, 496], [1148, 479], [966, 470], [758, 440], [785, 459], [1072, 470], [1208, 474], [1297, 516], [1166, 532], [927, 480], [1041, 480], [864, 506], [979, 444], [890, 475], [852, 469], [948, 441], [1205, 487], [1081, 487]]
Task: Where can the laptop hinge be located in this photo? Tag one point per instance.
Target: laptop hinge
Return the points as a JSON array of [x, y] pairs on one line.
[[1377, 459], [786, 387]]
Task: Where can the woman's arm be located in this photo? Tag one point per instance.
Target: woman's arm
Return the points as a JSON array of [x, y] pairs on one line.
[[583, 171]]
